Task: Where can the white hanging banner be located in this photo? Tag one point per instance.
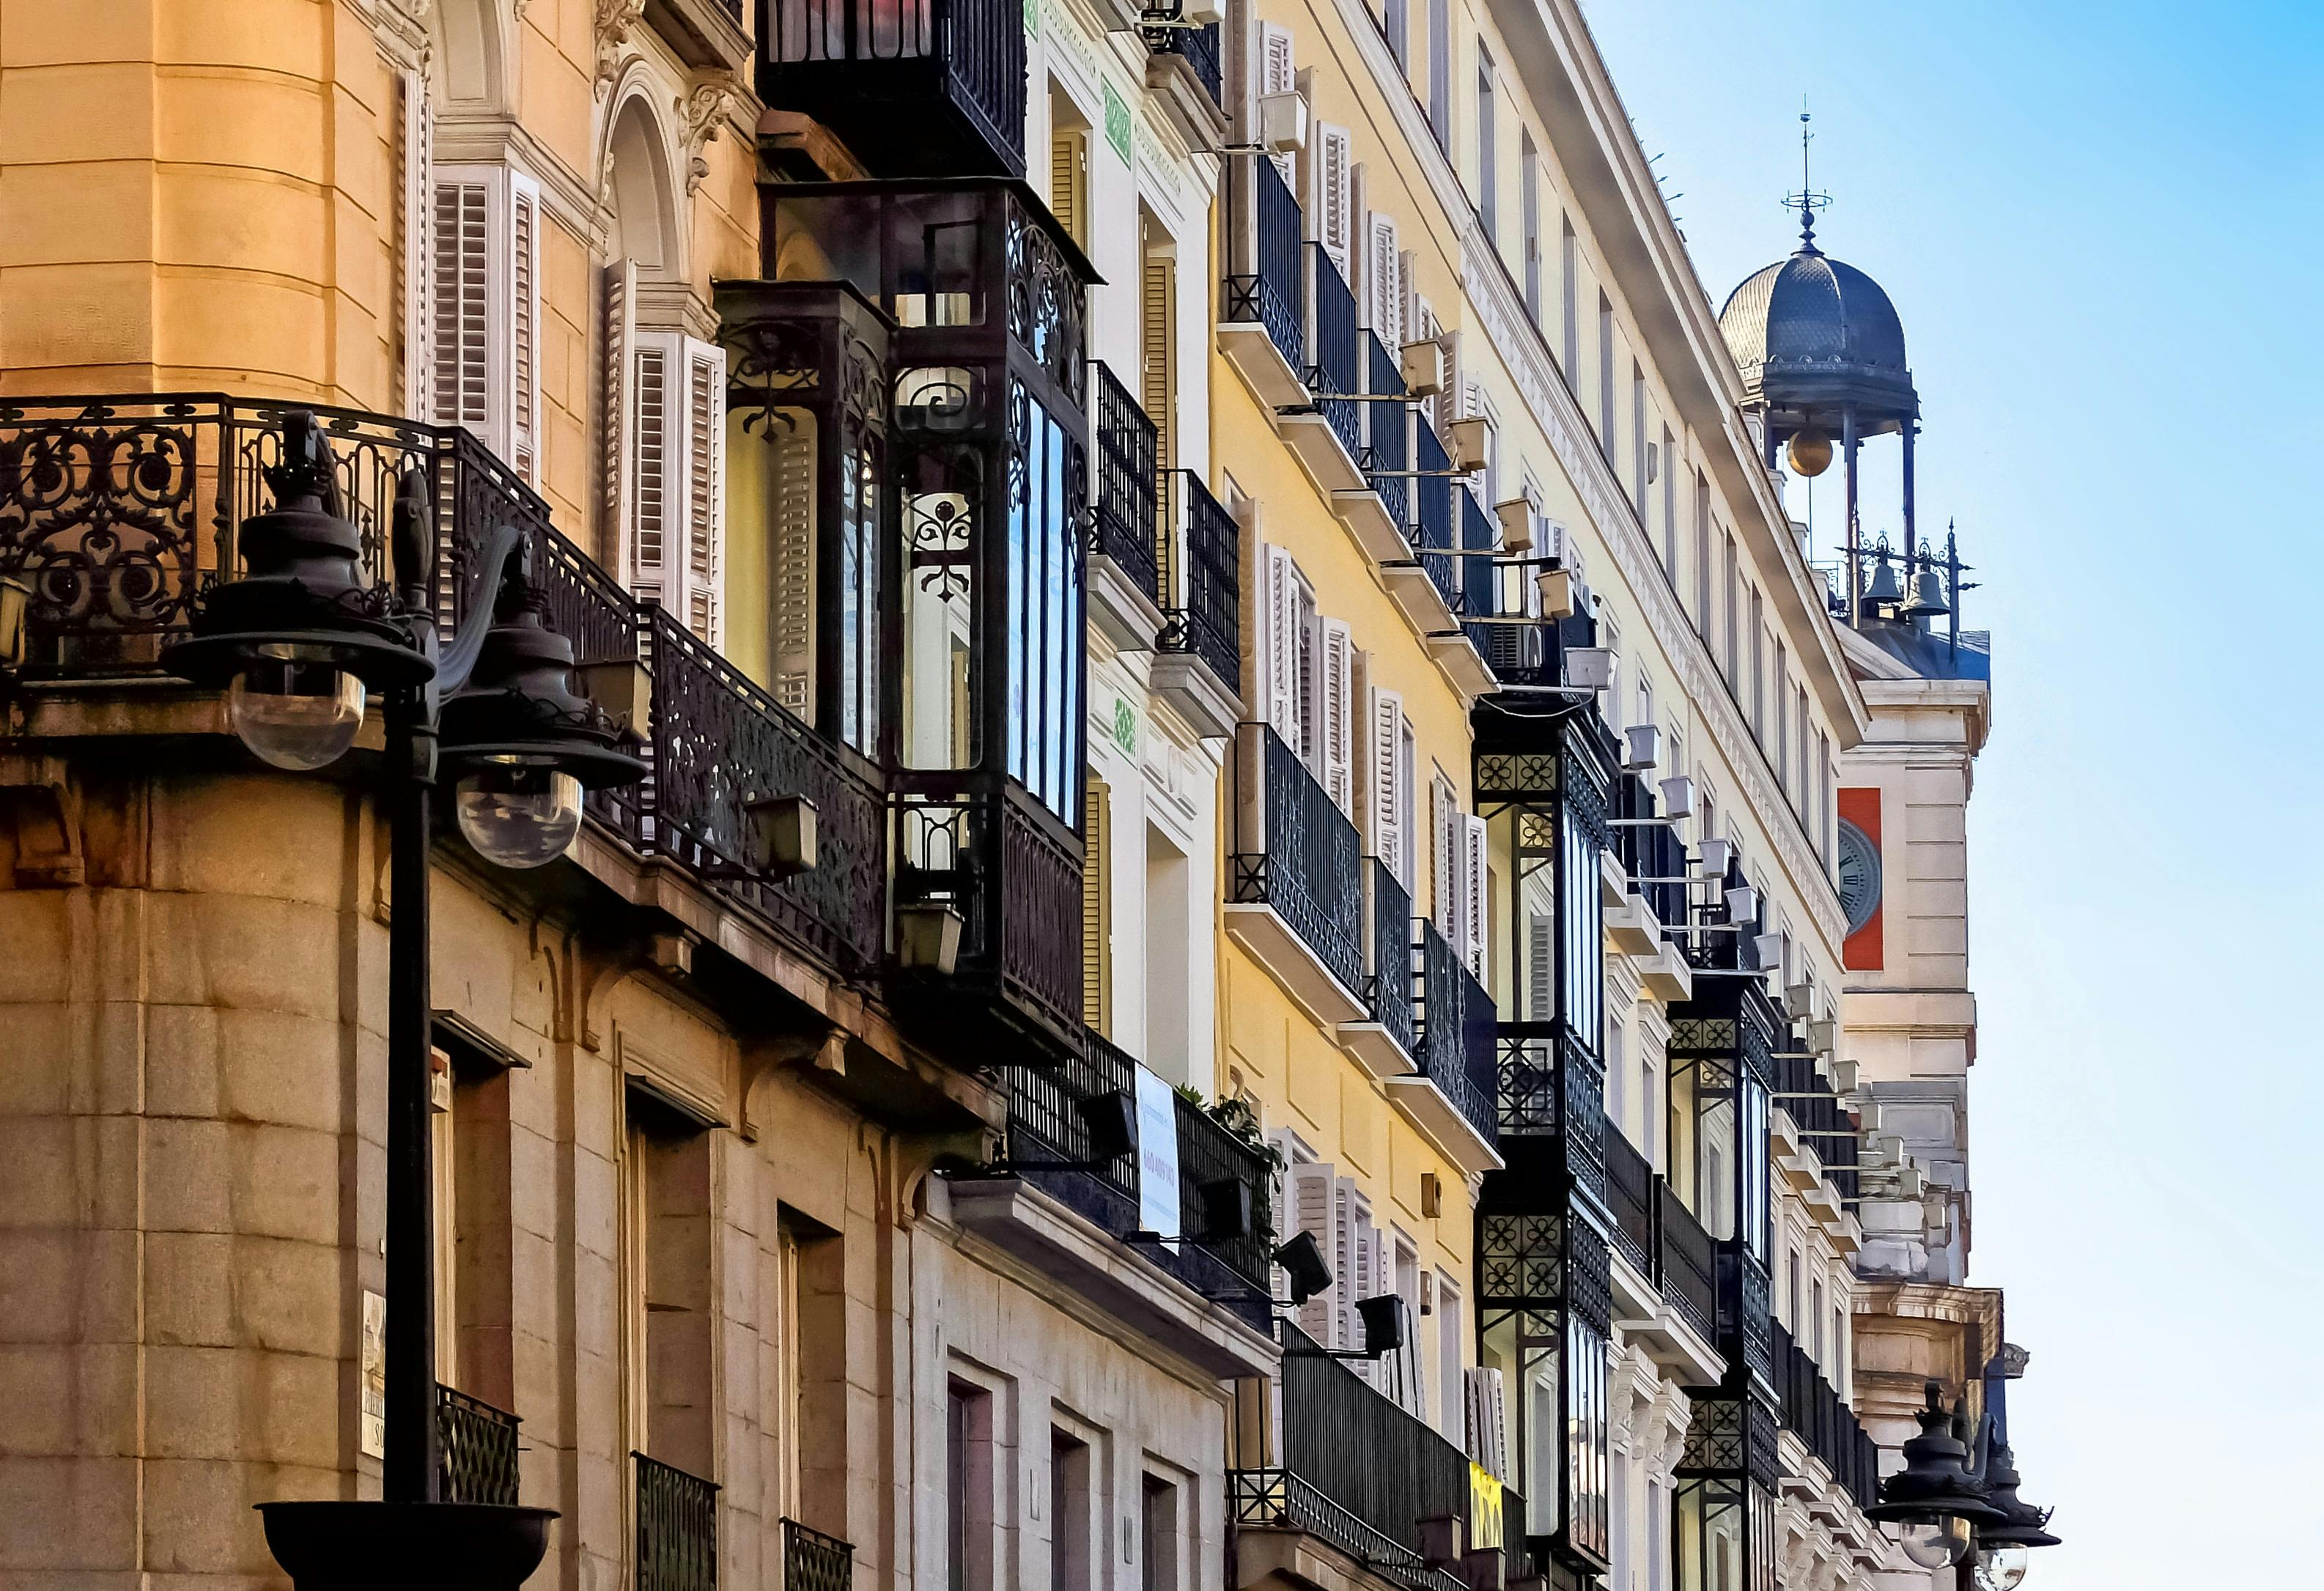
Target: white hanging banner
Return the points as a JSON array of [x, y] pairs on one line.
[[1158, 1155]]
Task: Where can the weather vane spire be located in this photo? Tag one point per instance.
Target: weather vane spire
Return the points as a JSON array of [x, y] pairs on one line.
[[1807, 201]]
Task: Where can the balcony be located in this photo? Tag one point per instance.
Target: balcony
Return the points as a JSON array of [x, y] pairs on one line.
[[1450, 1099], [1388, 1038], [1664, 1295], [1263, 317], [1690, 1264], [1326, 432], [677, 1528], [813, 1561], [1125, 572], [1296, 888], [1824, 1423], [1199, 654], [1176, 49], [1379, 510], [479, 1443], [913, 88]]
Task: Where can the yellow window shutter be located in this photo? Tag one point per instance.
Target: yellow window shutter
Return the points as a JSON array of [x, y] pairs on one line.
[[1158, 358], [1068, 181], [1097, 909]]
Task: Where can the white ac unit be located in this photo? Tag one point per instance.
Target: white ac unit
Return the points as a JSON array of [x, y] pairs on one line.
[[1823, 1033], [1718, 856], [1472, 443], [1911, 1183], [1202, 14], [1799, 999], [1742, 905], [1644, 746], [1515, 515], [1769, 948], [1590, 668], [1283, 123], [1556, 587], [1424, 367], [1843, 1077], [1678, 796]]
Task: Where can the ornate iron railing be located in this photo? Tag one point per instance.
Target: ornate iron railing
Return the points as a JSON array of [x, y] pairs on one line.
[[479, 1446], [1433, 518], [1212, 1165], [677, 1528], [1123, 522], [1282, 1500], [1690, 1264], [1197, 47], [1333, 362], [1203, 582], [1472, 578], [1630, 1192], [1269, 293], [821, 50], [1297, 852], [813, 1561], [1049, 1142], [1388, 431], [1389, 983], [1455, 1013]]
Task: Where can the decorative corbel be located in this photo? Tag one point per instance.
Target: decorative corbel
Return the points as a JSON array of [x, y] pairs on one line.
[[616, 20], [709, 98], [40, 799], [819, 1048]]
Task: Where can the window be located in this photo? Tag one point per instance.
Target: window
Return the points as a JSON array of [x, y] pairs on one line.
[[1169, 933], [1702, 558], [1569, 270], [1069, 168], [1157, 340], [475, 1262], [484, 308], [1647, 1111], [1529, 216], [1758, 666], [1158, 1531], [1397, 27], [968, 1487], [1638, 441], [1488, 167], [667, 1238], [1605, 377], [1734, 628], [1823, 795], [1669, 463], [1617, 1073], [1783, 718], [1440, 72], [1070, 1504], [1451, 1346], [1815, 1319], [1045, 614]]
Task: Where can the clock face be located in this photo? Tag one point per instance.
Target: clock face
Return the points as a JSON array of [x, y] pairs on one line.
[[1859, 874]]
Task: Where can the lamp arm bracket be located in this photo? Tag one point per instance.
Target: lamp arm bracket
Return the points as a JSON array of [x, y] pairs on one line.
[[459, 658]]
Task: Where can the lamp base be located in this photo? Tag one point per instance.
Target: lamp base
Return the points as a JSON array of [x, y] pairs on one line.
[[369, 1546]]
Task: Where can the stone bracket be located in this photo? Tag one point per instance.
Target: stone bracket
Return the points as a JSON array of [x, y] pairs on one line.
[[42, 803]]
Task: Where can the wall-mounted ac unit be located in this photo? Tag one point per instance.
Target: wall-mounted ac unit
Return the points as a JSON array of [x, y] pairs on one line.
[[1590, 668], [1645, 746], [1422, 365], [1283, 123], [1515, 515], [1678, 796]]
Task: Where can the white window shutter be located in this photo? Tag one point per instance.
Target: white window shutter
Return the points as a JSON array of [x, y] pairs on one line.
[[1312, 1206], [524, 326], [1335, 161], [416, 207], [1389, 803], [1488, 1427], [1338, 729], [1277, 73], [1281, 660], [1384, 280], [1347, 1246], [656, 573], [704, 456], [483, 310], [1474, 902], [1540, 967], [1444, 859], [617, 432], [678, 478]]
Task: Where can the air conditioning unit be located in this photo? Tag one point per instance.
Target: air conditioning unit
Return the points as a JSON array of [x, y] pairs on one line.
[[1424, 367], [1590, 668], [1283, 123], [1743, 905], [1678, 796], [1645, 747], [1556, 587], [1799, 999], [1844, 1077], [1515, 515], [1472, 443], [1823, 1033], [1911, 1183], [1718, 856], [1202, 14], [1768, 950]]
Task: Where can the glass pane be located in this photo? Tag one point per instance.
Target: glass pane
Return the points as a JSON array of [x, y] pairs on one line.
[[939, 605]]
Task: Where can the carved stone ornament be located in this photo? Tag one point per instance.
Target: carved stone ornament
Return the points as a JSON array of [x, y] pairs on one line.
[[708, 100], [616, 20]]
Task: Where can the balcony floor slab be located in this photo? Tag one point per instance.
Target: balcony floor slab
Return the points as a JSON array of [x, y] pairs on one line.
[[1276, 946], [1440, 1121]]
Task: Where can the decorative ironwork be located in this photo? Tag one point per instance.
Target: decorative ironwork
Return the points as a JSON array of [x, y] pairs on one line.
[[1282, 1499], [1433, 517], [1520, 1258], [1203, 582], [1123, 523], [677, 1528], [1049, 1136], [813, 1561], [866, 67], [1046, 300], [1456, 1033], [1197, 47], [1332, 365], [1588, 1280], [1210, 1161], [1388, 431], [479, 1446], [1270, 293], [1302, 858], [1690, 1264], [1630, 1195], [1390, 986], [1368, 1455]]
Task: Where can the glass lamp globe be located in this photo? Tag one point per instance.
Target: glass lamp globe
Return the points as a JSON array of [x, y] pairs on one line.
[[296, 708], [2001, 1568], [519, 814], [1937, 1545]]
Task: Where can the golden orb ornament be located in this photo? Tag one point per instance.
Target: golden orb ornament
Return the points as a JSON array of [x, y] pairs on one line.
[[1810, 452]]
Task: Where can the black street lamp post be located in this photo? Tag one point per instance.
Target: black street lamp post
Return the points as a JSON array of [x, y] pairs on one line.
[[298, 641]]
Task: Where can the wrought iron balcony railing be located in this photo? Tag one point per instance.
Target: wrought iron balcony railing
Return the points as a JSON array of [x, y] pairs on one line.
[[1389, 984], [1457, 1033], [1388, 431], [677, 1528], [813, 1561], [1284, 1500], [1126, 518], [1202, 581], [1631, 1194], [917, 88], [1270, 292], [479, 1446], [1198, 48], [1333, 362], [1824, 1423], [1433, 518], [1296, 851], [1690, 1267], [1049, 1131]]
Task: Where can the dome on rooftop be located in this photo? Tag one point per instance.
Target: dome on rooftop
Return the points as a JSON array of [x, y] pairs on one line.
[[1812, 336]]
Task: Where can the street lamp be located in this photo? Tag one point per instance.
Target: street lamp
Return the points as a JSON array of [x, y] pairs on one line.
[[300, 642], [1940, 1503]]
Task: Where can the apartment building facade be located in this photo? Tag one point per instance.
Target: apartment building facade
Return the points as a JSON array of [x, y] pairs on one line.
[[1229, 966]]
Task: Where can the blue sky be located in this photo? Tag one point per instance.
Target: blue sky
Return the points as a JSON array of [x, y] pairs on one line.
[[2102, 225]]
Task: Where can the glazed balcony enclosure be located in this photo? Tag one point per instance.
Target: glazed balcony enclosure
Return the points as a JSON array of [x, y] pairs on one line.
[[973, 629], [913, 88]]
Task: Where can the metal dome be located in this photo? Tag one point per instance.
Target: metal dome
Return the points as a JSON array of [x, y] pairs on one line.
[[1812, 336]]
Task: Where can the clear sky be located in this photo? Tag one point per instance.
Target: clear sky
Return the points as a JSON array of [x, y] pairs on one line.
[[2102, 227]]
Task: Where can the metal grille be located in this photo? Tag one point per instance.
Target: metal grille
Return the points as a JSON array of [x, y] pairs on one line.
[[1330, 365], [1198, 48], [1048, 1127], [1205, 582], [677, 1528], [479, 1446], [1307, 867], [1212, 1161], [1271, 294], [1387, 430], [1433, 510], [1689, 1265], [1361, 1451], [813, 1561], [1123, 525], [1451, 1002], [1389, 987], [1630, 1195], [1280, 1500]]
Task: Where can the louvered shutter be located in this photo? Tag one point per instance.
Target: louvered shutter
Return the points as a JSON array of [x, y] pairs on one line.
[[1339, 703], [483, 309], [1278, 73], [653, 506], [1312, 1200], [1345, 1247], [677, 477], [1487, 1421], [1280, 687], [1097, 909], [1069, 181], [524, 326], [1384, 280], [790, 513], [1158, 355], [704, 458], [1540, 967], [1444, 859], [1388, 807], [1474, 902], [414, 210], [1334, 163], [617, 435]]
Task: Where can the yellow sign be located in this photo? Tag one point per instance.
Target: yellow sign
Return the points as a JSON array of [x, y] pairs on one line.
[[1484, 1508]]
